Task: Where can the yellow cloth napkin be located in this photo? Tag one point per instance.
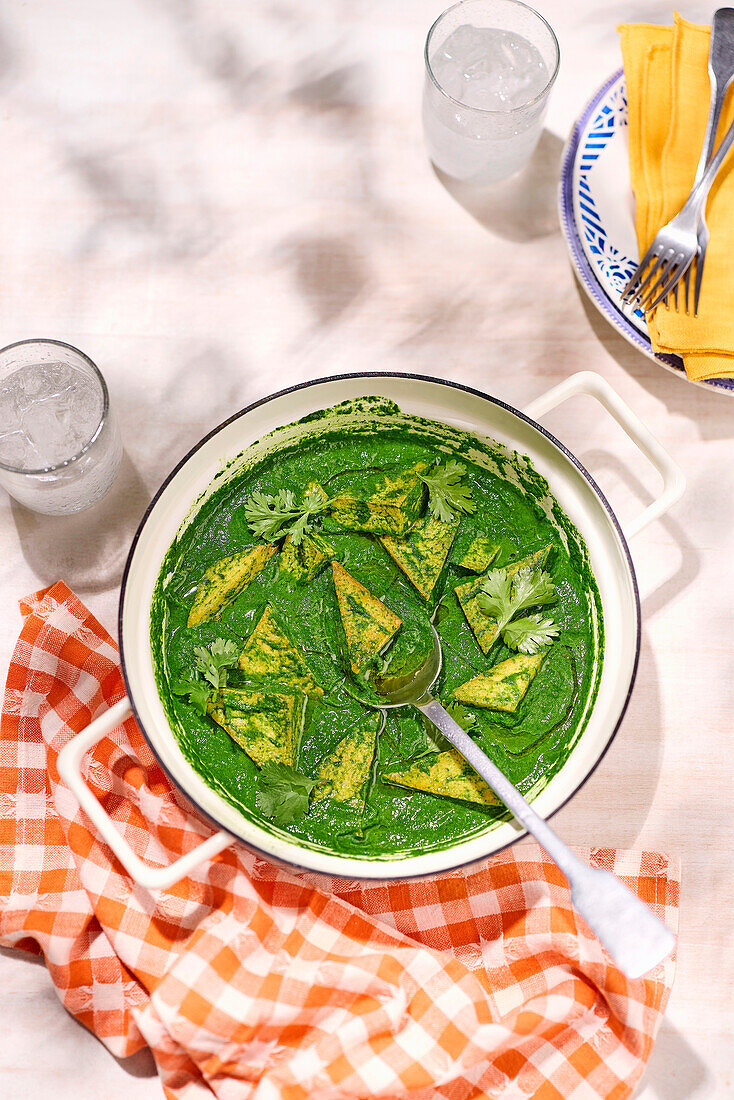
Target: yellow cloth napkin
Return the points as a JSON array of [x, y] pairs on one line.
[[668, 92], [647, 51]]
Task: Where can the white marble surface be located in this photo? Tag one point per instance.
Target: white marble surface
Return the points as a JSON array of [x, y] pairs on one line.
[[218, 198]]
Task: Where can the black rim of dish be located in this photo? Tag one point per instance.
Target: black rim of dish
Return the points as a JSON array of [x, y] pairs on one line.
[[416, 378]]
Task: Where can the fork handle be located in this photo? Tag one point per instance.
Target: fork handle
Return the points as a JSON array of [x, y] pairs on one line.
[[721, 73], [697, 198]]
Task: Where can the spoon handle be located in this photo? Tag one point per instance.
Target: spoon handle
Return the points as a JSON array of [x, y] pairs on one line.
[[631, 933]]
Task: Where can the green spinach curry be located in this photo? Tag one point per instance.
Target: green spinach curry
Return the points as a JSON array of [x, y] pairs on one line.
[[307, 583]]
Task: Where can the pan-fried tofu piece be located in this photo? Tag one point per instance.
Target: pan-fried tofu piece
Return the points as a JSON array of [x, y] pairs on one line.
[[368, 623], [305, 561], [447, 774], [267, 725], [226, 579], [478, 556], [393, 508], [344, 775], [422, 555], [503, 687], [270, 654]]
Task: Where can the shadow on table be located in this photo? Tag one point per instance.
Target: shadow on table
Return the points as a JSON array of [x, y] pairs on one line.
[[632, 766], [600, 460], [18, 953], [674, 1072], [141, 1064], [87, 550], [521, 208], [712, 411]]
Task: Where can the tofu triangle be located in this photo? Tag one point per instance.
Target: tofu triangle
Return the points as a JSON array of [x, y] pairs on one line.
[[393, 509], [225, 579], [368, 623], [446, 774], [267, 725], [269, 654], [422, 555], [504, 686], [344, 775]]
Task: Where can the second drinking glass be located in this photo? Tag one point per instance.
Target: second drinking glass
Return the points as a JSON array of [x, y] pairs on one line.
[[490, 66]]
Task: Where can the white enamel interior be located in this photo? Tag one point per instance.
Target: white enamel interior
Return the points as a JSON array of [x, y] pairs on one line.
[[437, 401]]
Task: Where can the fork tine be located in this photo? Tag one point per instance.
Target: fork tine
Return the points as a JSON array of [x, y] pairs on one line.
[[699, 278], [687, 284], [659, 266], [638, 273], [647, 293], [676, 270], [672, 276]]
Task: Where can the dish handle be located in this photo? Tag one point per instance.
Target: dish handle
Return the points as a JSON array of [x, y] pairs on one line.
[[69, 765], [593, 385]]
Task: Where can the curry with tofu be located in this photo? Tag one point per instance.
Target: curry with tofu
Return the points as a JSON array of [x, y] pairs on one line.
[[307, 583]]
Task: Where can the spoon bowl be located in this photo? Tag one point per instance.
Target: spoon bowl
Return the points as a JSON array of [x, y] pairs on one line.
[[418, 687]]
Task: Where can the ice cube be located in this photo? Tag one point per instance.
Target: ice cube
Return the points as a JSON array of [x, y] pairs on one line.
[[499, 70], [486, 91], [14, 449], [47, 435], [9, 411]]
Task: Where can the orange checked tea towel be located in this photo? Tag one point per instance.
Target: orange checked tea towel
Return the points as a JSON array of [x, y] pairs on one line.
[[250, 983]]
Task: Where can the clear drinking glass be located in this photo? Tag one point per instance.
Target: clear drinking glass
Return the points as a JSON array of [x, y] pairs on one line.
[[490, 66], [60, 449]]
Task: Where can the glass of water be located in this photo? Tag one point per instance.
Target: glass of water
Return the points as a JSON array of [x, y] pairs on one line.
[[490, 66], [60, 448]]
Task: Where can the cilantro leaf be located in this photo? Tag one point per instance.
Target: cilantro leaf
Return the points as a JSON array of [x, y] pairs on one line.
[[213, 663], [503, 597], [224, 652], [448, 494], [463, 716], [199, 694], [206, 666], [532, 587], [529, 634], [283, 794], [495, 598], [273, 517]]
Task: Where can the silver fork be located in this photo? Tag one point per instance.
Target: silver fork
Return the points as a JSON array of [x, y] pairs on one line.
[[678, 243], [721, 73]]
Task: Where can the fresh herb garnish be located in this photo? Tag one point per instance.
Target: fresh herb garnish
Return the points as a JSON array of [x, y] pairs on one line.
[[448, 495], [283, 794], [461, 714], [197, 691], [503, 598], [212, 665], [530, 633], [273, 517]]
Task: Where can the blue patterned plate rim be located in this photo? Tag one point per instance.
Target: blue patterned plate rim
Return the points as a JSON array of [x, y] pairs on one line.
[[587, 276]]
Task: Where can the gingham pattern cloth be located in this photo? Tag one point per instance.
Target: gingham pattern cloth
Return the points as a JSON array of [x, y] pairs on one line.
[[249, 982]]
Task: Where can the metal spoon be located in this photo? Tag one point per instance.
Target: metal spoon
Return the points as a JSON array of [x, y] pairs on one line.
[[631, 933]]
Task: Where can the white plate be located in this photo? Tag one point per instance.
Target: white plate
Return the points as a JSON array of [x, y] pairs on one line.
[[597, 218]]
